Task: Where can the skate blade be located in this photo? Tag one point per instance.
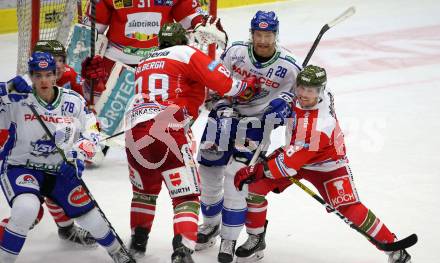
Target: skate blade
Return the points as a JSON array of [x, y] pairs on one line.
[[202, 246], [76, 245], [137, 254], [252, 258]]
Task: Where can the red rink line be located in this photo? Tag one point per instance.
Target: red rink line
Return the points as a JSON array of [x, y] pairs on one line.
[[379, 52], [413, 84]]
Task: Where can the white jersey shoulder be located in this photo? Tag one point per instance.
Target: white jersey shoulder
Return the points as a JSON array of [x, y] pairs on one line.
[[275, 75]]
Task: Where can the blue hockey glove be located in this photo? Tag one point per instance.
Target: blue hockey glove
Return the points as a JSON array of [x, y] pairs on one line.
[[17, 84], [20, 85], [72, 170], [280, 109]]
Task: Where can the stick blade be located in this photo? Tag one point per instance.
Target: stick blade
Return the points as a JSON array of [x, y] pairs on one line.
[[346, 14], [400, 244]]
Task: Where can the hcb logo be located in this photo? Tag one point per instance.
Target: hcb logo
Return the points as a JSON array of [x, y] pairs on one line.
[[175, 179], [78, 197]]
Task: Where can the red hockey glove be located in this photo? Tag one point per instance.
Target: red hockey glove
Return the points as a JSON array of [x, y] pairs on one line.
[[94, 69], [210, 30], [248, 174], [252, 88]]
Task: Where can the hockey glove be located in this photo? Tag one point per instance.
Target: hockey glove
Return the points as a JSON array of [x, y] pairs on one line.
[[210, 31], [94, 69], [72, 170], [252, 88], [17, 84], [248, 174], [84, 149], [280, 109]]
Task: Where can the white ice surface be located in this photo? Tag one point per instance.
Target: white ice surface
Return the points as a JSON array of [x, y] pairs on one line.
[[384, 66]]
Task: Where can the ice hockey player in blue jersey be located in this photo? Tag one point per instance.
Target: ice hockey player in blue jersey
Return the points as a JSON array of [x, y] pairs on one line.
[[223, 150], [32, 168]]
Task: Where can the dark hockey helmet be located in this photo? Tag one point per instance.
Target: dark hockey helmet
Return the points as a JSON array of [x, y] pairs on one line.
[[53, 47], [265, 21], [312, 76], [41, 61], [172, 34]]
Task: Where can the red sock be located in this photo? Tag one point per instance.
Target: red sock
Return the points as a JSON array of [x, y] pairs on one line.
[[256, 217], [366, 220], [186, 217], [61, 219]]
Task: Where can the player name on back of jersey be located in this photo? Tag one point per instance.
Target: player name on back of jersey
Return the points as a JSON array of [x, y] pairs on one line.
[[150, 65]]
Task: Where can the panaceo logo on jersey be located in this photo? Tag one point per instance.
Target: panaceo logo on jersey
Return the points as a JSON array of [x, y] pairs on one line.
[[261, 79], [27, 180], [51, 119], [143, 26]]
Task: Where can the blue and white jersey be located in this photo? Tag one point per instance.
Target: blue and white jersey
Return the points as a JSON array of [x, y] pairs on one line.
[[275, 76], [27, 144]]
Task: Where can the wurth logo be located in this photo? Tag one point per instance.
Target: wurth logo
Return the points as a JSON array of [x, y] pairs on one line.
[[175, 179]]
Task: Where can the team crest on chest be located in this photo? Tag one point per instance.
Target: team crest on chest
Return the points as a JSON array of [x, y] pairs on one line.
[[43, 147]]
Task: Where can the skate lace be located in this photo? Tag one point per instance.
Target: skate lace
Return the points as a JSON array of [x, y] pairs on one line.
[[80, 234], [206, 229], [251, 242], [227, 246], [121, 257]]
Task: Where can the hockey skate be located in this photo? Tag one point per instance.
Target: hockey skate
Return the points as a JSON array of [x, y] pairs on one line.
[[181, 253], [252, 249], [400, 256], [227, 250], [77, 235], [207, 236], [121, 256], [138, 244]]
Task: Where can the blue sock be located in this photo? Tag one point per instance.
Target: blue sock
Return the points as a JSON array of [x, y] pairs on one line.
[[12, 243]]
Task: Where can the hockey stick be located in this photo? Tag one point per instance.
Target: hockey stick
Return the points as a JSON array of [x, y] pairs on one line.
[[113, 136], [83, 184], [394, 246], [346, 14], [92, 45]]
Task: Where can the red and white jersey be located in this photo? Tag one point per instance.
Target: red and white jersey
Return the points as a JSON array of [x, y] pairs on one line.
[[133, 25], [317, 142], [178, 75], [71, 80]]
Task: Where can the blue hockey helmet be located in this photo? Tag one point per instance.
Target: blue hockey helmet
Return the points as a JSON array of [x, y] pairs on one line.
[[41, 61], [265, 21]]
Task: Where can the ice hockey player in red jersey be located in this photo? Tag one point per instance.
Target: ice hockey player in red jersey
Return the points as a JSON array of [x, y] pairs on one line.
[[170, 86], [67, 78], [133, 26], [317, 154]]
